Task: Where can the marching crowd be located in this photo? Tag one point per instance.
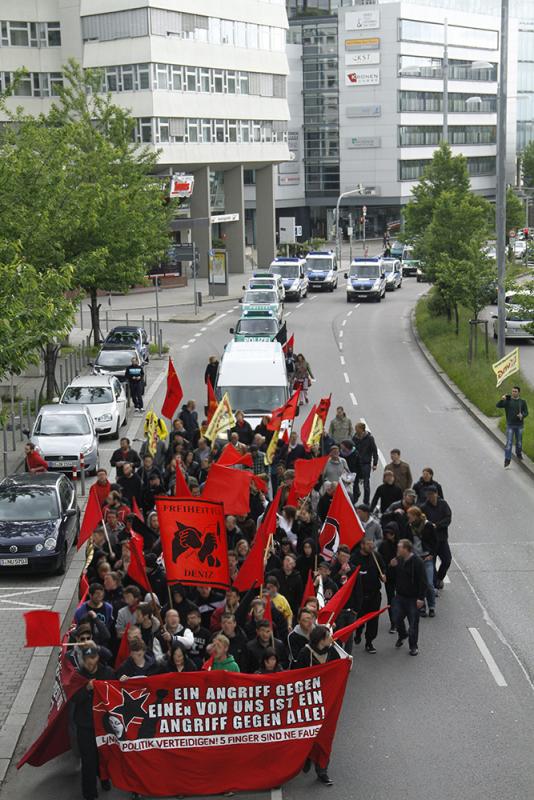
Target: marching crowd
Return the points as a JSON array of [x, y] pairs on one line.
[[122, 631]]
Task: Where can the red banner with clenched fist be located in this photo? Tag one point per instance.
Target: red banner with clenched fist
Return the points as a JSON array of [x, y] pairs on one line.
[[193, 539], [214, 732]]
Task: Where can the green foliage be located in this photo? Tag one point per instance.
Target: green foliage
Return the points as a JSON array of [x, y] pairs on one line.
[[515, 211], [527, 164]]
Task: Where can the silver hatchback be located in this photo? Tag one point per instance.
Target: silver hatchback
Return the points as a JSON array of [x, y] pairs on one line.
[[62, 433]]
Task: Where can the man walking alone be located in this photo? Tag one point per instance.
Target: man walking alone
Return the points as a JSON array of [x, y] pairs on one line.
[[516, 410]]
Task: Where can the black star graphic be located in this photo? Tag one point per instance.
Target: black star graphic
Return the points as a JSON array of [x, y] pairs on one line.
[[131, 708]]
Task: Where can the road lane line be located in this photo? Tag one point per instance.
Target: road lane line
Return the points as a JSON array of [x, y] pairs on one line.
[[342, 359], [287, 314], [314, 297], [344, 322], [346, 376], [216, 319], [340, 345], [300, 305], [353, 398], [381, 457], [191, 341], [350, 312], [197, 335], [276, 794], [203, 329], [340, 334], [488, 658], [185, 346], [234, 308]]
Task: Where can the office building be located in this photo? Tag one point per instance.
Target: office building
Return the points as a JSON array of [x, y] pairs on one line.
[[206, 83]]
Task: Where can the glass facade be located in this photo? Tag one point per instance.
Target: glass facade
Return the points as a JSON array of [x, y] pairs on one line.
[[433, 33], [458, 103], [180, 130], [477, 166], [428, 67], [431, 135], [33, 84], [29, 34]]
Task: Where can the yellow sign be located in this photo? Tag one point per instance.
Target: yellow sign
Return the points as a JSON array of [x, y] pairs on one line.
[[364, 44], [223, 419], [506, 366]]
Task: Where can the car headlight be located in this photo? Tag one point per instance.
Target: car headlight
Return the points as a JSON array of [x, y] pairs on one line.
[[50, 543], [104, 418]]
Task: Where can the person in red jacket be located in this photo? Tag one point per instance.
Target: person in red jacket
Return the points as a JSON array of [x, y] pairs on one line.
[[34, 462], [102, 487]]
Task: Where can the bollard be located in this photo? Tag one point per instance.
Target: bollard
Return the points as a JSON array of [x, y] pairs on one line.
[[13, 432], [160, 342], [82, 354], [29, 413], [4, 437], [150, 335], [74, 479], [82, 473], [72, 366], [81, 315], [107, 321], [127, 321], [143, 322], [20, 421]]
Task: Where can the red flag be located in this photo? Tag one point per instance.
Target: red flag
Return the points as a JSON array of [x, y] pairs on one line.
[[343, 633], [307, 473], [252, 569], [259, 483], [124, 648], [230, 457], [136, 510], [55, 739], [194, 542], [208, 664], [174, 394], [338, 601], [229, 486], [181, 489], [309, 589], [285, 436], [92, 518], [307, 427], [268, 612], [83, 588], [137, 565], [42, 628], [212, 401], [342, 524], [290, 344], [323, 408], [287, 411]]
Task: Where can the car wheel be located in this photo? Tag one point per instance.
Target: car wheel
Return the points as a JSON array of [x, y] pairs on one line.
[[62, 563], [116, 434]]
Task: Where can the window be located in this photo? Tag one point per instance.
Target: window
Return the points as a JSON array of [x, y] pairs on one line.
[[279, 86], [433, 33], [54, 34], [244, 126], [476, 166], [264, 37], [232, 130], [18, 34], [127, 78], [218, 130], [252, 35], [56, 83], [206, 130], [163, 130], [227, 32], [23, 87], [243, 82], [231, 82], [218, 82], [115, 25], [162, 77], [204, 80], [240, 29], [193, 130], [112, 82], [191, 79], [177, 78], [214, 29], [145, 129]]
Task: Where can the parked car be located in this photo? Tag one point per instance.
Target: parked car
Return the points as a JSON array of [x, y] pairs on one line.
[[396, 249], [39, 521], [520, 248], [105, 398], [393, 270], [61, 433], [519, 322], [128, 336], [293, 274], [113, 360]]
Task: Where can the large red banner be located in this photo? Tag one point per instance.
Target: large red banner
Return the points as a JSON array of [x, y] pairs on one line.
[[214, 732], [193, 539]]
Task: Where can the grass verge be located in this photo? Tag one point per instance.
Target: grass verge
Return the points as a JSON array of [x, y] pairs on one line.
[[476, 380]]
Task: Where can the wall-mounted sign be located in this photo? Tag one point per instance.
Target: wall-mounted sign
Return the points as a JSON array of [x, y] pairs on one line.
[[370, 110], [182, 186], [362, 77], [363, 19], [362, 59], [360, 142], [372, 43], [288, 180], [224, 218]]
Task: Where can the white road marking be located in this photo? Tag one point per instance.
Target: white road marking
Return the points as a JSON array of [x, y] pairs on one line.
[[185, 346], [346, 376], [276, 794], [300, 304], [24, 606], [340, 334], [344, 322], [350, 312], [488, 658], [353, 398], [233, 308], [22, 591], [314, 297], [340, 345], [203, 329], [216, 319], [197, 335], [287, 314], [191, 341], [446, 579], [381, 457], [342, 359]]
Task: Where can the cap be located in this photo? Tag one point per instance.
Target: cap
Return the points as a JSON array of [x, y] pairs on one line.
[[89, 652], [392, 527]]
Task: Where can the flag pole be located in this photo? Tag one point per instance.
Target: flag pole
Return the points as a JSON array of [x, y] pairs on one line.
[[382, 576], [107, 536]]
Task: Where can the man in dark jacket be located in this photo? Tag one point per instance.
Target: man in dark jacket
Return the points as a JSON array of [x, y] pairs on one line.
[[290, 582], [516, 410], [131, 486], [439, 513], [300, 635], [426, 480], [124, 454], [237, 639], [387, 493], [411, 588], [82, 701], [189, 418], [371, 577], [396, 512], [368, 455], [265, 638]]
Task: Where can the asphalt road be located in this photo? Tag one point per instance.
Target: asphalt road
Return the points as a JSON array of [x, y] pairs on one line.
[[453, 723]]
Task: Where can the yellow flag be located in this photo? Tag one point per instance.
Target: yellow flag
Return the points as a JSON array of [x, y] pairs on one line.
[[271, 450], [316, 432], [222, 420], [506, 366], [151, 432]]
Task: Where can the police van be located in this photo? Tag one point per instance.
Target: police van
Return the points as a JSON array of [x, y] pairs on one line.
[[321, 266], [293, 274], [264, 280], [259, 326], [262, 301], [366, 280]]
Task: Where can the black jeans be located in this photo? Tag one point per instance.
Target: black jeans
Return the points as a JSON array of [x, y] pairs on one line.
[[89, 756], [365, 476], [444, 552], [136, 392], [406, 607], [371, 602]]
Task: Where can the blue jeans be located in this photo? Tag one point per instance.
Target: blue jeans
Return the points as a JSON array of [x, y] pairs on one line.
[[406, 607], [511, 431], [431, 593]]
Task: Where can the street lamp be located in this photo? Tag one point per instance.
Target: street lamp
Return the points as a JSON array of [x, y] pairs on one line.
[[358, 190]]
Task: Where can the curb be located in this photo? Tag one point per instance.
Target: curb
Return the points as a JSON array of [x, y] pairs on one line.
[[481, 419], [198, 318]]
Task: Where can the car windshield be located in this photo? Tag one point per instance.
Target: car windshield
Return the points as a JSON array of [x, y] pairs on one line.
[[364, 271], [286, 270], [319, 263], [87, 395], [260, 298], [62, 425], [255, 399], [390, 266], [28, 504], [262, 285], [267, 326], [115, 358], [122, 337]]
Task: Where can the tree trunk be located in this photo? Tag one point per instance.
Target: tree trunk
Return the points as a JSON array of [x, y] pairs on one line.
[[456, 319], [95, 317], [50, 385]]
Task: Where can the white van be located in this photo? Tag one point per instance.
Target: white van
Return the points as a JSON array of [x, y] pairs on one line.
[[293, 274], [254, 375]]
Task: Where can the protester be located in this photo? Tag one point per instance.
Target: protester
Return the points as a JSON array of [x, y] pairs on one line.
[[516, 410], [400, 469], [124, 454], [368, 457], [135, 376], [33, 460], [222, 660], [387, 493], [341, 427], [410, 593], [439, 514]]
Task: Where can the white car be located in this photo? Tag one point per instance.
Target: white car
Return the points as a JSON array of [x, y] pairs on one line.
[[520, 248], [517, 320], [105, 398], [62, 434], [393, 270]]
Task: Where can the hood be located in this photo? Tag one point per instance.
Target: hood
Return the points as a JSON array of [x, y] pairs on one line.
[[17, 530], [60, 445], [364, 282], [298, 629]]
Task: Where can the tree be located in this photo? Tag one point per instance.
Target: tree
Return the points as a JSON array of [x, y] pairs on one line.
[[445, 173], [527, 164], [515, 211]]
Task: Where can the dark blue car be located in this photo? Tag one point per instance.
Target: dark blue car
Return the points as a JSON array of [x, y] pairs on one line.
[[39, 522]]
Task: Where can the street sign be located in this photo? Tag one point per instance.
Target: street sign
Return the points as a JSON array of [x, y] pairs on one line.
[[298, 230], [182, 186], [286, 228], [224, 218]]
